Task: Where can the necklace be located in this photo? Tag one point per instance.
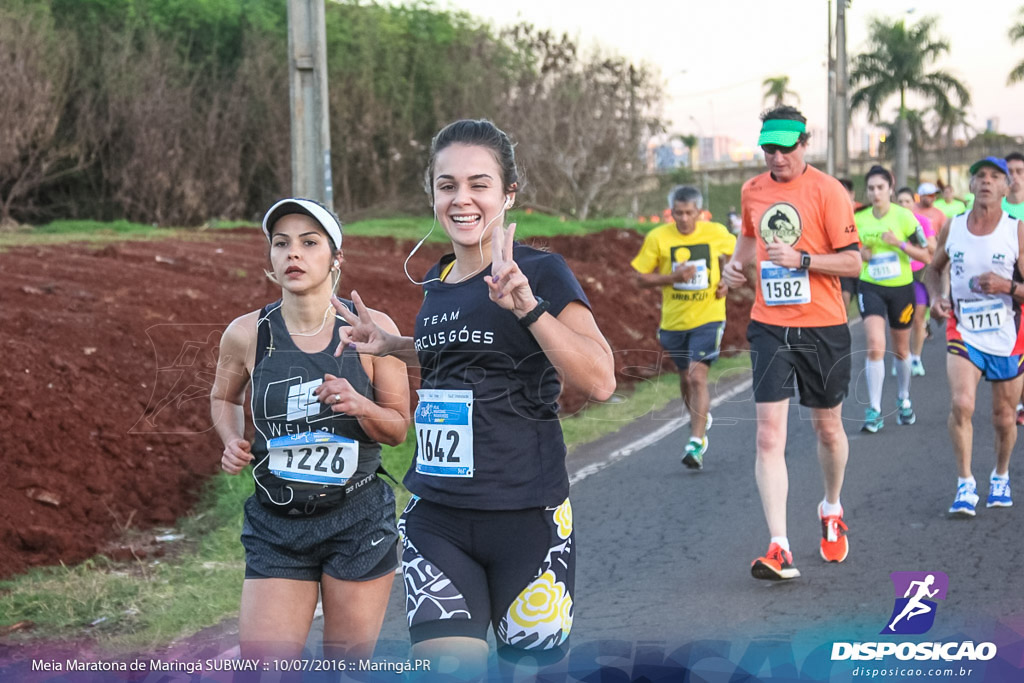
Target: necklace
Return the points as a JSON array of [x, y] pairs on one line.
[[318, 330]]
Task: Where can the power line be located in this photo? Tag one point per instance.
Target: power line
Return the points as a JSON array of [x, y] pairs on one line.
[[755, 79]]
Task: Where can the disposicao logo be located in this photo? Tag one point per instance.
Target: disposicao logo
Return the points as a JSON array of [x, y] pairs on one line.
[[912, 614], [916, 593]]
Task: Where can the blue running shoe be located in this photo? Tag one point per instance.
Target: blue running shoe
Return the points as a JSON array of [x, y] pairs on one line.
[[999, 493], [693, 454], [873, 421], [966, 499], [905, 412]]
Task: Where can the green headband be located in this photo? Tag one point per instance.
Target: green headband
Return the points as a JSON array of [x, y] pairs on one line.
[[783, 132]]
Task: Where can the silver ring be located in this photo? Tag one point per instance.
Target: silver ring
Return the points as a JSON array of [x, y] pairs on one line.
[[337, 397]]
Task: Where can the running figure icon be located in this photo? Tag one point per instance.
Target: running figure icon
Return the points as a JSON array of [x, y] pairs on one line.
[[915, 606]]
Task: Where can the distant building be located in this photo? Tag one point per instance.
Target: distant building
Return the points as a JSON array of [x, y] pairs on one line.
[[667, 155]]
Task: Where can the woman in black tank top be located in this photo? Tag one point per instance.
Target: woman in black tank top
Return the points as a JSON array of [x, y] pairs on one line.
[[320, 522]]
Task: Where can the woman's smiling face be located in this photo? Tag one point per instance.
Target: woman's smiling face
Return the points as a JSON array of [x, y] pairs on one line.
[[469, 195]]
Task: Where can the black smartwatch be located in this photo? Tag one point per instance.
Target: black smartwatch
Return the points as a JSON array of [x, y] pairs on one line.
[[538, 310], [805, 260]]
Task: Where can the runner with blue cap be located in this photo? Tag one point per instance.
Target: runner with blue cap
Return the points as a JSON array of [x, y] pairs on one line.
[[984, 252]]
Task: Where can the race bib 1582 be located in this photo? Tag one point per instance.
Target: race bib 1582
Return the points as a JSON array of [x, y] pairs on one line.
[[782, 286]]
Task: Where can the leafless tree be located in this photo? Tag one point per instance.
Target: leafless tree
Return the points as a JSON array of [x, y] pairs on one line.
[[581, 122], [174, 144], [38, 144]]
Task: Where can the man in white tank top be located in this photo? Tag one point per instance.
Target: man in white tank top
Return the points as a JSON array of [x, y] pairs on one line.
[[983, 251]]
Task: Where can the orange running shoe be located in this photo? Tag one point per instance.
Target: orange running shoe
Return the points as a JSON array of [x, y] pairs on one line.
[[776, 565], [834, 546]]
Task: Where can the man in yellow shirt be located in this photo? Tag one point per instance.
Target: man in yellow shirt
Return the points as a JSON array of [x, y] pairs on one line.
[[684, 259]]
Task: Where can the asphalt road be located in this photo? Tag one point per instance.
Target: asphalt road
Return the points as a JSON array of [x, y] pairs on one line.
[[663, 585], [665, 552]]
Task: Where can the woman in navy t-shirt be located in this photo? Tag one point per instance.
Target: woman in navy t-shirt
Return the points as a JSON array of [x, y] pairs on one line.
[[487, 537]]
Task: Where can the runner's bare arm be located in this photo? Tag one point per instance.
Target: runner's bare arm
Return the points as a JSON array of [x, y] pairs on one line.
[[746, 250], [385, 418], [366, 336], [922, 254], [572, 341], [722, 288], [1018, 293], [845, 263], [933, 276], [228, 393], [646, 280], [575, 346]]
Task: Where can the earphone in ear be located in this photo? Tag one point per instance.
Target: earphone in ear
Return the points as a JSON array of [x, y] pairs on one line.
[[508, 201]]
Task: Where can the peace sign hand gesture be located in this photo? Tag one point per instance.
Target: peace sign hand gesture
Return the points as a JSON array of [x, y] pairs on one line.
[[362, 333], [507, 286]]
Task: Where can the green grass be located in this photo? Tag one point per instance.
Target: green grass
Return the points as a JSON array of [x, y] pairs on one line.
[[400, 227], [647, 396], [144, 604], [149, 603], [100, 232], [527, 225]]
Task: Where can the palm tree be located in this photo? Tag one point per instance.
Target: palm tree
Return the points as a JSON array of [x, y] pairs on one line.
[[690, 141], [1017, 34], [777, 89], [918, 138], [896, 61], [948, 119]]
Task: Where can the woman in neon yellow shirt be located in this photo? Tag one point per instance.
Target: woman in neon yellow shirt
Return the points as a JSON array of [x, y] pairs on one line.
[[890, 237]]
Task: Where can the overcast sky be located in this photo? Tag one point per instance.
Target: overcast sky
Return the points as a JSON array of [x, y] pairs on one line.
[[713, 55]]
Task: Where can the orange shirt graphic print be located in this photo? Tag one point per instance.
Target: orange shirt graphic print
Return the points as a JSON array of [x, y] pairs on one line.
[[781, 220]]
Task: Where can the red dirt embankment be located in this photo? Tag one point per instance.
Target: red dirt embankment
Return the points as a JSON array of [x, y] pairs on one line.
[[109, 354]]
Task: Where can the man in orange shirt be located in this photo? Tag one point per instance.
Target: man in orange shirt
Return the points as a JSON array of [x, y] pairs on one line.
[[798, 225]]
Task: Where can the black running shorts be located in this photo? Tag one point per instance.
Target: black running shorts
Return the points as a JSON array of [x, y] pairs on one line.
[[467, 569], [818, 357], [849, 285], [355, 542], [895, 304]]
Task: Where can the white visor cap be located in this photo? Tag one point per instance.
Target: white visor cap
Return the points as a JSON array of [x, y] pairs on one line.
[[307, 207]]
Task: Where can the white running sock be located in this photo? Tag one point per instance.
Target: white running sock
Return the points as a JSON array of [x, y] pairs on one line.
[[964, 480], [876, 377], [829, 509], [1001, 476], [914, 358], [783, 542], [903, 378]]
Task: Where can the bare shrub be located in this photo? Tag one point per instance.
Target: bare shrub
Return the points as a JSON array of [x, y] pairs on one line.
[[38, 144], [174, 143]]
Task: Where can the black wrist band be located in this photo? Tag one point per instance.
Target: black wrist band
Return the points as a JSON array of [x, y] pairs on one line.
[[538, 310], [1013, 288]]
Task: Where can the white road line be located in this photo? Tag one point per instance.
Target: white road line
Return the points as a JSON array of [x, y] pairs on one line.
[[660, 433], [652, 438]]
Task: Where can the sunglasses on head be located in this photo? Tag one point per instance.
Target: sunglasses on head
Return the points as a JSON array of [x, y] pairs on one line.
[[772, 149]]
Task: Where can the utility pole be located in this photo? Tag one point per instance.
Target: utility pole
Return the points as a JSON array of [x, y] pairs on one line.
[[830, 154], [842, 105], [310, 122]]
